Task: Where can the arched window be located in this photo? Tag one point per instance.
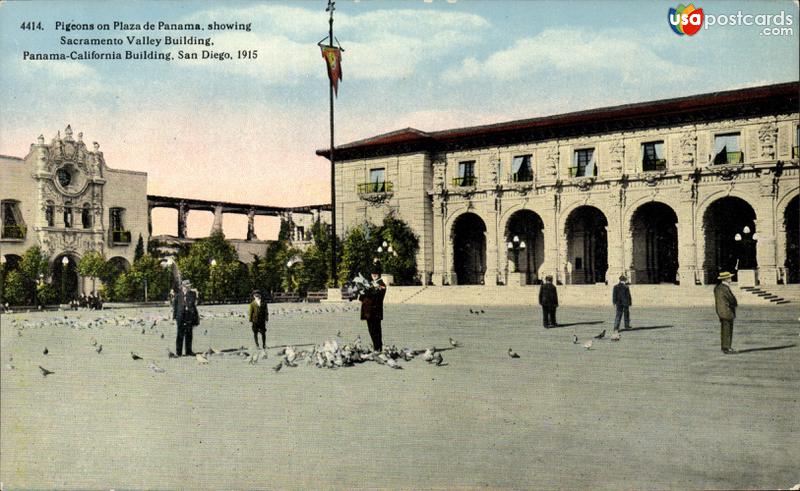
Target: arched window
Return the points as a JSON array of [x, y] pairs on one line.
[[11, 220], [86, 216], [68, 215], [50, 214]]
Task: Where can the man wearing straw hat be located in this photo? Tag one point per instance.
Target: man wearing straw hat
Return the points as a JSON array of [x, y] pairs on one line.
[[726, 310], [184, 311]]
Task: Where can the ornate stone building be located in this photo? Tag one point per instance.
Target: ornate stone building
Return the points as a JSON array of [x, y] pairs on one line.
[[666, 191], [63, 197]]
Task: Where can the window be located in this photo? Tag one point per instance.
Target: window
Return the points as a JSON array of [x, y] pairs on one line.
[[466, 174], [68, 215], [653, 156], [115, 218], [796, 147], [521, 170], [49, 214], [727, 149], [377, 180], [13, 228], [300, 233], [86, 216], [583, 163]]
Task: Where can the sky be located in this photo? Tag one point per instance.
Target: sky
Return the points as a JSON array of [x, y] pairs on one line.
[[247, 130]]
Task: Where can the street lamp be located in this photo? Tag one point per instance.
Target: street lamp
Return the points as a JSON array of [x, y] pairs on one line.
[[516, 245], [64, 264], [744, 242], [213, 279]]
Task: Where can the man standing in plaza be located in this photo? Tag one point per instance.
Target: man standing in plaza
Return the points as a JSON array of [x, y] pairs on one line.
[[184, 311], [621, 297], [548, 299], [726, 310], [372, 307], [258, 315]]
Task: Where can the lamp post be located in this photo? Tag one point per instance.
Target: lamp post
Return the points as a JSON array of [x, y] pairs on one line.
[[64, 264], [213, 279], [516, 246]]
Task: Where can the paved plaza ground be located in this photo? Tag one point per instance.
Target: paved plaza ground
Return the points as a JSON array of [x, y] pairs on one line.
[[660, 409]]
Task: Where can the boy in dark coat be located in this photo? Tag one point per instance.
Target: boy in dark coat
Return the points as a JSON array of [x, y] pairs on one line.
[[621, 298], [372, 308], [548, 299], [259, 315]]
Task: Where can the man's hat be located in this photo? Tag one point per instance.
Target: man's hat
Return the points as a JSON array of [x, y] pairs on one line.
[[376, 268], [256, 292], [724, 276], [186, 283], [623, 278], [548, 278]]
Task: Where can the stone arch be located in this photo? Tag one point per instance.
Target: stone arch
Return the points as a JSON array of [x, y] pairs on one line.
[[587, 245], [468, 236], [66, 280], [790, 224], [729, 236], [653, 228], [524, 231]]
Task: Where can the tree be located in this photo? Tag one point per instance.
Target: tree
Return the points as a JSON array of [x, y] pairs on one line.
[[139, 252], [93, 264], [33, 264], [148, 270], [360, 249], [358, 252], [14, 288], [219, 281]]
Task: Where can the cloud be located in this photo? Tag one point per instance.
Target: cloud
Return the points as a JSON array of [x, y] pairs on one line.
[[385, 44], [574, 53]]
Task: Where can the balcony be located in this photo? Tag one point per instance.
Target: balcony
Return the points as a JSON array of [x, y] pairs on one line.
[[522, 177], [649, 165], [464, 181], [121, 237], [14, 232], [729, 158], [375, 187], [580, 172]]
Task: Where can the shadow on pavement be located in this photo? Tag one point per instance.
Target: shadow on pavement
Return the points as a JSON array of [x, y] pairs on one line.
[[578, 324], [766, 348], [645, 328]]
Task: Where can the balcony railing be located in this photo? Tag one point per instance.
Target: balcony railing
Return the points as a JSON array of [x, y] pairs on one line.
[[16, 232], [729, 158], [654, 164], [573, 172], [464, 181], [375, 187], [120, 236], [522, 177]]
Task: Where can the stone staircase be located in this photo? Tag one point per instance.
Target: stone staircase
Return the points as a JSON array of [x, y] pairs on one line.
[[777, 294]]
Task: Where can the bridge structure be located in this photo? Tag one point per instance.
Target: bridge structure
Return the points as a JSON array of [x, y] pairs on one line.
[[299, 217]]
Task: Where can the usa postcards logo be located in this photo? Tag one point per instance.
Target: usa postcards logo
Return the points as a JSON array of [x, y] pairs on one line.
[[686, 19]]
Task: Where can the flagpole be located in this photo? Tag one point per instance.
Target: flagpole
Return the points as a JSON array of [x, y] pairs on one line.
[[331, 8]]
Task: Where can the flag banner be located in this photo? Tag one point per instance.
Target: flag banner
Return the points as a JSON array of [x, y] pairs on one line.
[[333, 58]]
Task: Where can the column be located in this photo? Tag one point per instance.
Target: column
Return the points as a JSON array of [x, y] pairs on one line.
[[439, 209], [216, 227], [183, 214], [251, 229], [149, 220], [550, 235], [766, 250], [492, 253], [687, 246]]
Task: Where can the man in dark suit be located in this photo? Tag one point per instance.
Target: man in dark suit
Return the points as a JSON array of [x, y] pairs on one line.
[[621, 298], [372, 307], [726, 310], [548, 299], [184, 311], [259, 315]]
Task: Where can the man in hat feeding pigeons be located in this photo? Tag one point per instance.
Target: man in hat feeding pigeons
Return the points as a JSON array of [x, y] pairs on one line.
[[726, 310], [372, 306], [548, 299], [259, 315], [184, 311]]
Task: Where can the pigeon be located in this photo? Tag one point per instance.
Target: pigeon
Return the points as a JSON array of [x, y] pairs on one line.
[[428, 354], [201, 359], [94, 342], [143, 330], [170, 354], [615, 336], [135, 356], [588, 344], [437, 358], [454, 343], [512, 353], [155, 368], [482, 311], [574, 339], [99, 348], [205, 332], [162, 335], [45, 372], [277, 368], [393, 364], [45, 351], [471, 311], [601, 335]]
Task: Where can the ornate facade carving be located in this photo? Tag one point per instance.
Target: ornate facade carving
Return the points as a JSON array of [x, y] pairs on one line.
[[551, 162], [688, 144], [767, 138], [617, 157]]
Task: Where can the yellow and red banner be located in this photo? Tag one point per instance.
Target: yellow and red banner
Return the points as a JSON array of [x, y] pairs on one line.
[[333, 58]]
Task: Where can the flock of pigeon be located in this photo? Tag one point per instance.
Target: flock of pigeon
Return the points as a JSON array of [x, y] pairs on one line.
[[332, 354]]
